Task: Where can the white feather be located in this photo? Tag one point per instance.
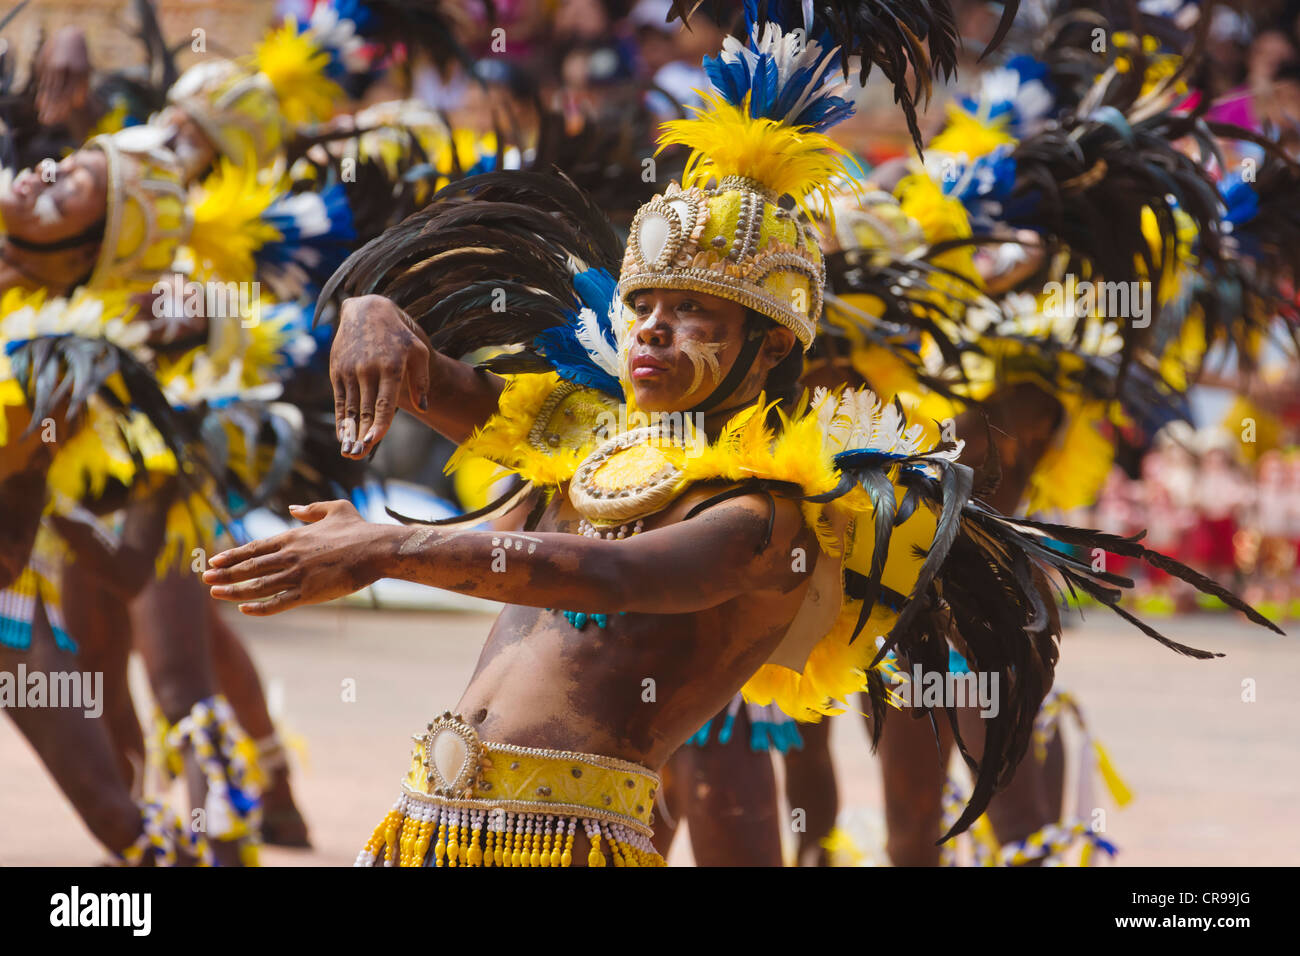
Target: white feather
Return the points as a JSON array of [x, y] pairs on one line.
[[590, 336]]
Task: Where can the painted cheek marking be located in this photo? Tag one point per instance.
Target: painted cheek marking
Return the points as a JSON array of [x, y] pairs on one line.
[[702, 355]]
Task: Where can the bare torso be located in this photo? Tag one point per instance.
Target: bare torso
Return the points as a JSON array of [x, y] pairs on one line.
[[640, 686]]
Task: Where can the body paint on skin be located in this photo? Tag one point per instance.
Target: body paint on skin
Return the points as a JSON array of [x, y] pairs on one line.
[[416, 540], [702, 355]]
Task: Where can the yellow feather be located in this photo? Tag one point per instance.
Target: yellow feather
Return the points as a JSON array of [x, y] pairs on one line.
[[940, 217], [726, 141], [295, 64], [971, 135], [11, 396], [190, 524], [228, 227], [504, 439], [1072, 472], [835, 670]]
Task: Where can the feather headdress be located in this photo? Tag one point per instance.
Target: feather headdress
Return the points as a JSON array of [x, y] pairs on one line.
[[903, 39]]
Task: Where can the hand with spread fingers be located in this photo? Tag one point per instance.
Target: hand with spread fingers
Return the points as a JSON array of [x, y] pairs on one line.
[[335, 554], [380, 356]]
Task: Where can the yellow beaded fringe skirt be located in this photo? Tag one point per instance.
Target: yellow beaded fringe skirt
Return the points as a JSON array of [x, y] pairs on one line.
[[471, 802]]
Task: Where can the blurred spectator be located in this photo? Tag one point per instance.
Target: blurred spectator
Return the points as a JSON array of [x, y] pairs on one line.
[[1198, 503], [664, 60]]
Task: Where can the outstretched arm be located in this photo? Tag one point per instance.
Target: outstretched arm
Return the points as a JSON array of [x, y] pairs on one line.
[[381, 360], [682, 568]]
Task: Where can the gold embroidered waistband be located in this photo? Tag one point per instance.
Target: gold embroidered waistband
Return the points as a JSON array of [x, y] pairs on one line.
[[470, 802], [451, 761]]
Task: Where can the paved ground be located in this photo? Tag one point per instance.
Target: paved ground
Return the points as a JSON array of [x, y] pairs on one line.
[[1216, 779]]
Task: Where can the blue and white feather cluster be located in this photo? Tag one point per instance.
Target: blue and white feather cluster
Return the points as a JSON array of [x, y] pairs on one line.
[[317, 232], [302, 342], [584, 350], [983, 185], [783, 69], [339, 27], [1020, 91]]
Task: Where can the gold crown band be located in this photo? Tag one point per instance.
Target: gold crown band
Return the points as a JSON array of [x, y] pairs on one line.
[[734, 241]]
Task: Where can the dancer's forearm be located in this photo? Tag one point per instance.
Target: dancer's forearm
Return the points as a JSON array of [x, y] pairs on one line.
[[461, 398], [556, 570], [678, 569]]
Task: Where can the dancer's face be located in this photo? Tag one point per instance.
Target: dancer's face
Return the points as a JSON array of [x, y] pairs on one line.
[[682, 344], [53, 203]]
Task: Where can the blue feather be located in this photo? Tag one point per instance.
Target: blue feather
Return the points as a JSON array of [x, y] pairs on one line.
[[729, 78], [753, 71], [1240, 198], [595, 289], [316, 231], [562, 350]]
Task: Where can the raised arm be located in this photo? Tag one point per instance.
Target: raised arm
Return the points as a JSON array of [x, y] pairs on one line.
[[682, 568], [381, 360]]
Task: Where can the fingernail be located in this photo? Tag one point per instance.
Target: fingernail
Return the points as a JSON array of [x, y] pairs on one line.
[[370, 436], [423, 403]]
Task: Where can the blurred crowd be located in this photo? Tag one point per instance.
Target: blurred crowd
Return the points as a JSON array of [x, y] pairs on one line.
[[592, 57], [596, 58], [1200, 502]]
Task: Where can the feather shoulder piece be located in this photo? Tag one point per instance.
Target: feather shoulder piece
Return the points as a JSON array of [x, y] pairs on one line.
[[544, 426]]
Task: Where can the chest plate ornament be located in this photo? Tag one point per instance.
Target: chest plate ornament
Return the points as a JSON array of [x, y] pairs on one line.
[[628, 477]]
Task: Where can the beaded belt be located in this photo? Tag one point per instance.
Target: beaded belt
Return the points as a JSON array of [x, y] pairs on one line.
[[471, 802]]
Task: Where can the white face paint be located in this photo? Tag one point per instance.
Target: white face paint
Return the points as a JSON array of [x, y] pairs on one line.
[[45, 211], [703, 355]]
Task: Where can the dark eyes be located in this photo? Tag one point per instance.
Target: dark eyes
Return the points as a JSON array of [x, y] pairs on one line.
[[642, 309]]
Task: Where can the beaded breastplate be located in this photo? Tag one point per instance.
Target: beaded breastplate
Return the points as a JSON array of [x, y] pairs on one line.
[[625, 480]]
